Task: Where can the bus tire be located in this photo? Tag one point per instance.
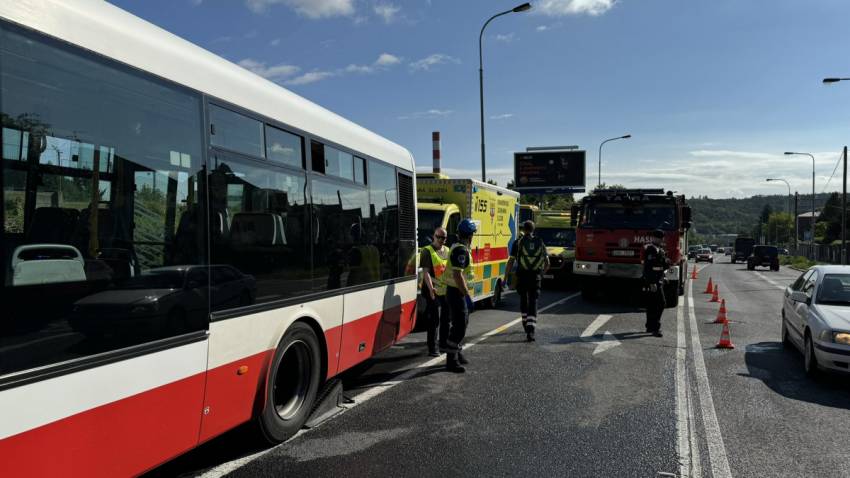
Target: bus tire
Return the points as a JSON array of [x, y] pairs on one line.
[[293, 382]]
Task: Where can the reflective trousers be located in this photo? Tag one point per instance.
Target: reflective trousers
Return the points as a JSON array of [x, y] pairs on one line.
[[459, 318], [437, 318], [528, 288], [654, 303]]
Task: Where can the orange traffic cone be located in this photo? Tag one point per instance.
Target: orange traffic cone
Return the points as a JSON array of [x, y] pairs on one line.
[[694, 273], [715, 296], [709, 287], [725, 338], [721, 314]]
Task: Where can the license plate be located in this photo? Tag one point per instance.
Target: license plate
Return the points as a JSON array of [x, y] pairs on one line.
[[548, 276]]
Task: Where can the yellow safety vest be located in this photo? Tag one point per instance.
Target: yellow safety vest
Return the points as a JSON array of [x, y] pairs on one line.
[[532, 254], [438, 262], [468, 271]]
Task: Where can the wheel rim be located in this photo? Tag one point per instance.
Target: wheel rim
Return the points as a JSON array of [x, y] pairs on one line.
[[292, 381]]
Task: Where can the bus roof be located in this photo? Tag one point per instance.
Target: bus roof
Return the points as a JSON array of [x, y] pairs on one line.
[[107, 30]]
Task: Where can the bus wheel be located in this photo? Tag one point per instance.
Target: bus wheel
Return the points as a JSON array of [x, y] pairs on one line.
[[293, 383]]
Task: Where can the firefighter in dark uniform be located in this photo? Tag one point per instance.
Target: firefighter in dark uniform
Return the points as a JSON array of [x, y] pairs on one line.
[[655, 262], [458, 277], [529, 254]]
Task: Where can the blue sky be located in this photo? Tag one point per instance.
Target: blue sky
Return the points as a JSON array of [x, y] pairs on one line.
[[712, 91]]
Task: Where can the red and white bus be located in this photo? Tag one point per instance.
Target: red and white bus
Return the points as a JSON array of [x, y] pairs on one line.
[[185, 246]]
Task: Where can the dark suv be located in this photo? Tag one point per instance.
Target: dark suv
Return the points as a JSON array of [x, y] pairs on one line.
[[766, 256]]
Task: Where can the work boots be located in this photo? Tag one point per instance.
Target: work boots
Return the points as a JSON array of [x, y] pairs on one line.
[[453, 364]]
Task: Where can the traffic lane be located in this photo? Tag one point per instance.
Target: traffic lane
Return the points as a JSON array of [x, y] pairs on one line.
[[407, 354], [548, 408], [774, 421]]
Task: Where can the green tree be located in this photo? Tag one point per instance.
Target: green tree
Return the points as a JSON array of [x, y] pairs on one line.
[[779, 228]]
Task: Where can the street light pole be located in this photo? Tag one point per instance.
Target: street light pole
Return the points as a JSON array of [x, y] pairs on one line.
[[519, 8], [813, 194], [599, 177], [788, 201]]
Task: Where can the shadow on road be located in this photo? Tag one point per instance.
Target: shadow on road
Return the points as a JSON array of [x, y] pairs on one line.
[[782, 370]]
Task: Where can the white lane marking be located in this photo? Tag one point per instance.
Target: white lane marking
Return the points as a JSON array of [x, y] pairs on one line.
[[768, 279], [372, 392], [599, 321], [608, 340], [716, 449], [683, 418]]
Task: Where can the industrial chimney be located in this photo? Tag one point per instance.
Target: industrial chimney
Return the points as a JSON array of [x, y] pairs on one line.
[[435, 139]]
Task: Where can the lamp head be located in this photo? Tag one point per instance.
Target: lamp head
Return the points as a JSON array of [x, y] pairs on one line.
[[831, 80], [522, 8], [626, 136]]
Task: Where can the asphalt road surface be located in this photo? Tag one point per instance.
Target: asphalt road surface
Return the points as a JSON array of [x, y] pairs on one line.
[[593, 396]]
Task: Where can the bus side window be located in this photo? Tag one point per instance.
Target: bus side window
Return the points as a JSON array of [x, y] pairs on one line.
[[100, 167]]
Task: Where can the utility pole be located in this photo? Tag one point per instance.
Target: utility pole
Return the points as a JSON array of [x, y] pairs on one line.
[[844, 213], [796, 220]]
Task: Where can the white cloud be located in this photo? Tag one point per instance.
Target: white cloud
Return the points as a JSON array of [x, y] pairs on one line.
[[274, 72], [431, 61], [387, 11], [557, 8], [307, 8], [275, 42], [505, 38], [502, 116], [310, 77], [386, 59], [196, 2], [429, 114], [542, 28]]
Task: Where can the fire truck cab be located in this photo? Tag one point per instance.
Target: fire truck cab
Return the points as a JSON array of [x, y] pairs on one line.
[[612, 227]]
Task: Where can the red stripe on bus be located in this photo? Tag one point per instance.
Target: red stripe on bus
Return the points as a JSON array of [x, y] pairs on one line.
[[137, 433], [121, 438]]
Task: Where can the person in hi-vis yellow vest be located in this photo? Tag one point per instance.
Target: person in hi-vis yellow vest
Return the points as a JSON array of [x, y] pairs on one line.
[[529, 254], [433, 261], [458, 276]]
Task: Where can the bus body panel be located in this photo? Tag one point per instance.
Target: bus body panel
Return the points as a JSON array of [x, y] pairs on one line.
[[85, 420], [128, 416]]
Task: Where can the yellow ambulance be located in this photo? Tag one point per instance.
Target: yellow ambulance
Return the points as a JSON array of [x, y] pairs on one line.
[[559, 235], [444, 202]]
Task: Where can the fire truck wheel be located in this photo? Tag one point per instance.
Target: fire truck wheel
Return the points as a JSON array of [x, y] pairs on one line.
[[292, 385], [671, 295]]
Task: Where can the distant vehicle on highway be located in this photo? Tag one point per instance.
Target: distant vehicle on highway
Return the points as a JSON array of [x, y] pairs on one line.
[[729, 251], [743, 249], [764, 256], [692, 251], [816, 318], [705, 255], [721, 250], [713, 247]]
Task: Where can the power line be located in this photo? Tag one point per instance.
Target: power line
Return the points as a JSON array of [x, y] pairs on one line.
[[840, 155]]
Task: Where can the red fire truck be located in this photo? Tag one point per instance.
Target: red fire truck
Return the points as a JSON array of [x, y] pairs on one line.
[[612, 227]]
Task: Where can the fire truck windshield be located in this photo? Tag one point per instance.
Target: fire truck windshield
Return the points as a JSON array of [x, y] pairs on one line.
[[631, 216]]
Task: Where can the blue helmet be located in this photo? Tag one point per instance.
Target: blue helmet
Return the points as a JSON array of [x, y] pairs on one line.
[[466, 228]]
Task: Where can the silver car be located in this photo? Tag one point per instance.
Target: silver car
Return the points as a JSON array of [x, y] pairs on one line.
[[816, 318]]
